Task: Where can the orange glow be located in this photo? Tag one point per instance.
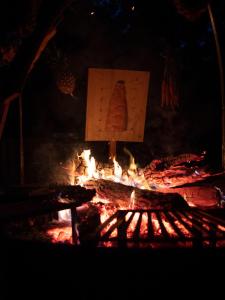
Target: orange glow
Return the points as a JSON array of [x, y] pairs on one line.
[[60, 234], [132, 176]]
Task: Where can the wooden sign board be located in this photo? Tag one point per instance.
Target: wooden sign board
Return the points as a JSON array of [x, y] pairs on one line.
[[116, 105]]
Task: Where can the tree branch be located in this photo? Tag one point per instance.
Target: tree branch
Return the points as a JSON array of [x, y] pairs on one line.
[[31, 51]]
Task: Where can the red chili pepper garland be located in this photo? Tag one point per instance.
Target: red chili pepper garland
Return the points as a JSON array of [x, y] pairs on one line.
[[169, 88]]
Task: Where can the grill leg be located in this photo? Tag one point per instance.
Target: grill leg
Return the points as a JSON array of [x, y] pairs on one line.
[[122, 235], [212, 237], [74, 226]]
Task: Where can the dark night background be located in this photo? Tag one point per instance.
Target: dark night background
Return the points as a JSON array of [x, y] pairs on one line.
[[133, 35], [122, 34]]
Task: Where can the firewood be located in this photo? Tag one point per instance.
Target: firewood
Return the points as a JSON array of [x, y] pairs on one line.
[[119, 194], [169, 161], [17, 202], [212, 180], [176, 170]]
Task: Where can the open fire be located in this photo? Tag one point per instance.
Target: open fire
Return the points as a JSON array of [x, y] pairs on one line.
[[137, 223]]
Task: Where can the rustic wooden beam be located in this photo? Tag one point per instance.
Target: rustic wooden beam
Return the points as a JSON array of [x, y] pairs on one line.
[[112, 150], [4, 108], [27, 57], [221, 74], [23, 202]]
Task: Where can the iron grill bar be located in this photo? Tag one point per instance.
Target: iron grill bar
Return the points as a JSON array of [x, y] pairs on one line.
[[129, 220], [207, 221], [150, 226], [162, 240], [162, 226], [195, 230], [192, 230], [171, 221], [210, 217], [196, 223], [107, 222], [136, 234], [123, 226], [120, 219]]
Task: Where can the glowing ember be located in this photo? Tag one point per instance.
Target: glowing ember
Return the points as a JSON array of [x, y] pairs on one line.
[[105, 214], [144, 225], [61, 234], [133, 224], [132, 200], [156, 226], [221, 227], [168, 226], [180, 226]]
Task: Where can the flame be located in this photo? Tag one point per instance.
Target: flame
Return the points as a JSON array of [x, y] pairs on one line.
[[60, 234], [117, 171], [90, 167], [90, 164], [64, 215], [132, 170]]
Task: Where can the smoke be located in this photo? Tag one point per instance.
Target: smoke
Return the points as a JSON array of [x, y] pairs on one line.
[[50, 161], [167, 132]]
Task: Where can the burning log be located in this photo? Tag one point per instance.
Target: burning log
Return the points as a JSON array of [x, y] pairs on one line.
[[176, 170], [169, 161], [212, 180], [18, 202], [120, 195], [204, 193]]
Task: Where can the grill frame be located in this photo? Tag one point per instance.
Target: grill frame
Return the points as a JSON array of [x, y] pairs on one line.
[[198, 234]]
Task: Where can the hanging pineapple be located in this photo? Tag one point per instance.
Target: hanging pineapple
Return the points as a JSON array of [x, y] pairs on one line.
[[59, 63], [66, 82]]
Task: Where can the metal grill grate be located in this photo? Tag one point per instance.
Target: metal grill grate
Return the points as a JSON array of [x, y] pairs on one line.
[[192, 227]]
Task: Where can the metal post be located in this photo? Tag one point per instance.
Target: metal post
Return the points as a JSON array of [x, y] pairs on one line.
[[21, 141], [122, 229], [220, 64], [112, 150], [74, 225]]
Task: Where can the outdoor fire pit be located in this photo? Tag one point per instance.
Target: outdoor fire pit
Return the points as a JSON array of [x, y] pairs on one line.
[[120, 208], [112, 149], [128, 227]]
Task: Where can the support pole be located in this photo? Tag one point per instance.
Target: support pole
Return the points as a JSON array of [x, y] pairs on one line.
[[221, 73], [21, 141], [74, 225], [112, 150]]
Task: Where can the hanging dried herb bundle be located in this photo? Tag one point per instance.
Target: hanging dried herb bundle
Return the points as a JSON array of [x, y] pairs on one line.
[[169, 88]]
